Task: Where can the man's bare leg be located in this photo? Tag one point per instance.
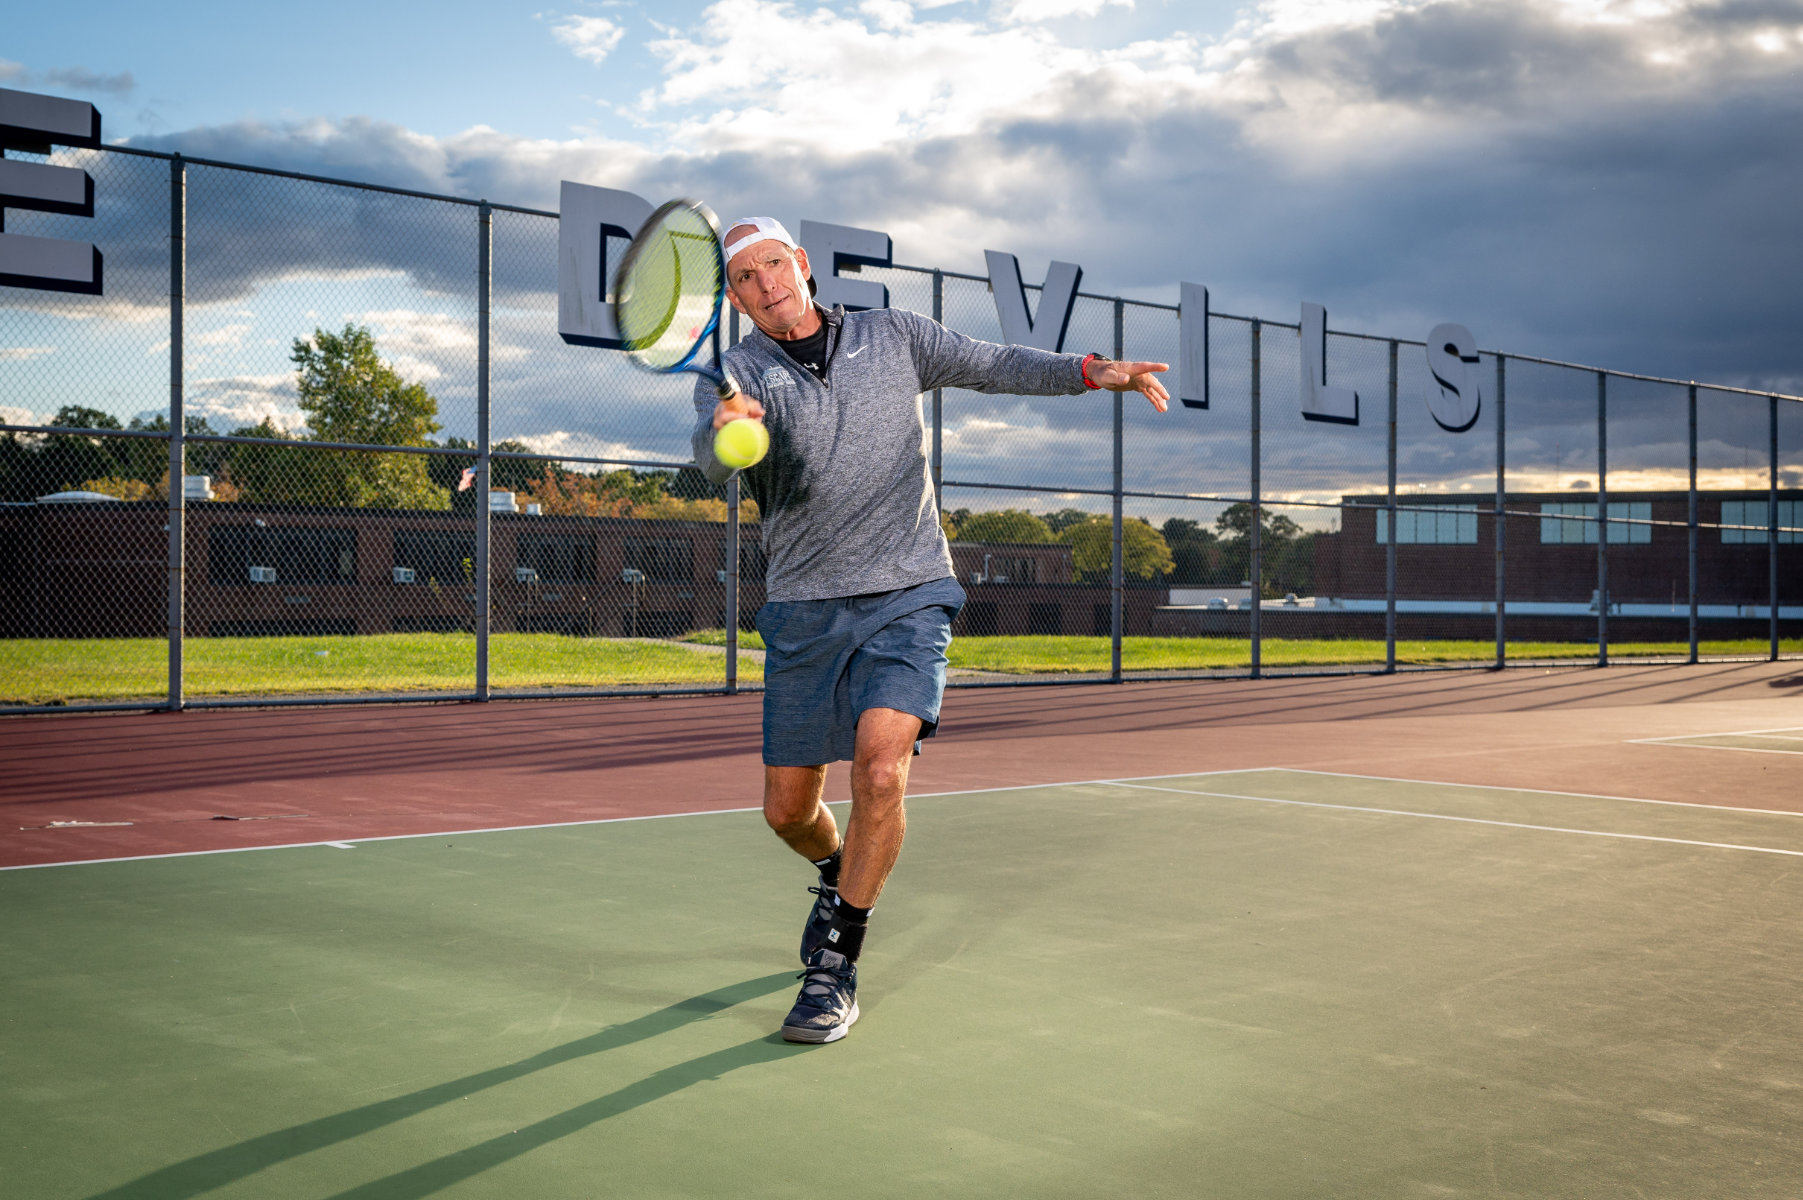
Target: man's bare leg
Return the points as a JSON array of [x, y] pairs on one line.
[[879, 779], [795, 810]]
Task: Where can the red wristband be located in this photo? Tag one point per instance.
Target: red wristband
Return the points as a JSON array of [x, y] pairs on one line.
[[1087, 382]]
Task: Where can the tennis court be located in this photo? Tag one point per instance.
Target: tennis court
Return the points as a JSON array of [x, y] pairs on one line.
[[1357, 948]]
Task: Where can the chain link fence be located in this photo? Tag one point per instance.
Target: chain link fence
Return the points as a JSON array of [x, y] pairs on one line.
[[319, 442]]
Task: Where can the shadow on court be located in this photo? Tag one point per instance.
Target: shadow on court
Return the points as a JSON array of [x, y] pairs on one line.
[[205, 1172], [1270, 984]]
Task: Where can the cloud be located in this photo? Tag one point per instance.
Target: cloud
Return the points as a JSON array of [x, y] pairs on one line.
[[224, 335], [22, 353], [589, 38], [79, 79], [13, 415], [70, 79], [1602, 181], [242, 401], [1052, 10], [583, 444]]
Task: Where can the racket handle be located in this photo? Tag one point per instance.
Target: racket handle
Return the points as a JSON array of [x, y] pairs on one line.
[[725, 388]]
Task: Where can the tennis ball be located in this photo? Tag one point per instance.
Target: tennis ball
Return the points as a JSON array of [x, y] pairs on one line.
[[741, 443]]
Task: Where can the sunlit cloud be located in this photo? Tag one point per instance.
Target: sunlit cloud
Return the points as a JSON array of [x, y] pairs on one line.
[[589, 38]]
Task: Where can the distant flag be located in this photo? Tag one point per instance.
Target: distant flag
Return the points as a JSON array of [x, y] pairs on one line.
[[469, 477]]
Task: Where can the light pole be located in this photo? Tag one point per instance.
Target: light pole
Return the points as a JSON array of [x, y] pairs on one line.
[[635, 579]]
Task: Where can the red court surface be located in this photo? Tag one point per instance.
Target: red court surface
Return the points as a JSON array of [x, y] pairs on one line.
[[106, 786]]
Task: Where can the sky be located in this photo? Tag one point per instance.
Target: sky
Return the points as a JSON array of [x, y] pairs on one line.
[[1610, 182]]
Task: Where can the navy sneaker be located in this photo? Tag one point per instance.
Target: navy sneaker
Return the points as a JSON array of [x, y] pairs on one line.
[[820, 920], [828, 1003]]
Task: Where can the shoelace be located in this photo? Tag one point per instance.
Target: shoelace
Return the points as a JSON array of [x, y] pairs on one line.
[[819, 985]]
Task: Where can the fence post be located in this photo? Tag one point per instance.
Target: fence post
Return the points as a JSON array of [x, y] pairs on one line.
[[1252, 544], [1116, 572], [1390, 535], [178, 458], [1771, 535], [1502, 520], [1692, 523], [732, 585], [1602, 518], [939, 400], [732, 550], [484, 249]]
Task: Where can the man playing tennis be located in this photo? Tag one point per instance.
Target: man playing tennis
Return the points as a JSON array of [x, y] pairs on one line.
[[860, 583]]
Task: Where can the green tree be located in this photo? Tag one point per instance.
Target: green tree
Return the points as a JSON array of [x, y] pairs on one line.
[[1064, 518], [1144, 554], [505, 474], [1236, 521], [1005, 525], [1285, 552], [1195, 551], [279, 474], [350, 395], [62, 461]]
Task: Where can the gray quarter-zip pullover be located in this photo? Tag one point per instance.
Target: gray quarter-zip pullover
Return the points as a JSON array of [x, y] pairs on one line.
[[846, 492]]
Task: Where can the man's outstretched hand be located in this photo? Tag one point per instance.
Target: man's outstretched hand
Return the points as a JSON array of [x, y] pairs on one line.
[[739, 405], [1131, 377]]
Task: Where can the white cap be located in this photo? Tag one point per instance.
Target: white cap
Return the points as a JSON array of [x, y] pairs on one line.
[[765, 229]]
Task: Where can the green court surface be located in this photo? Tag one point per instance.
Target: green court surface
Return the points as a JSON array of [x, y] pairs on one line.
[[1764, 741], [1257, 984]]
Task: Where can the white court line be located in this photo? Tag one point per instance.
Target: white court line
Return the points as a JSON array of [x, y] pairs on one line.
[[1397, 812], [1674, 744], [1770, 812], [1724, 733], [1022, 787], [705, 812], [354, 842]]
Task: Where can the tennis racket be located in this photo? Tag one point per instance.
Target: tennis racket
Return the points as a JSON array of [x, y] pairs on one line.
[[668, 290]]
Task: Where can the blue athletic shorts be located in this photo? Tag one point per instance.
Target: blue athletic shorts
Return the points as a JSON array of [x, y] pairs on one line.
[[826, 661]]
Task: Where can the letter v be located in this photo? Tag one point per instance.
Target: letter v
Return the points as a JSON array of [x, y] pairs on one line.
[[1056, 299]]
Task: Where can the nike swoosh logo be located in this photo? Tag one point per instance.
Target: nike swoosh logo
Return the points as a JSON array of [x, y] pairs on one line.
[[855, 353]]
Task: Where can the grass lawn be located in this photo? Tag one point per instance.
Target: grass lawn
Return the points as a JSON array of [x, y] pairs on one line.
[[88, 670], [40, 672], [1088, 655], [1042, 655]]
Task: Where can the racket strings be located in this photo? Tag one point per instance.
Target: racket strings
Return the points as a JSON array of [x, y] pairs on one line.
[[668, 294]]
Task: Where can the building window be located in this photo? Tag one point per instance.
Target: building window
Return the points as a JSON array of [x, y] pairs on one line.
[[12, 553], [1012, 570], [1441, 525], [663, 560], [752, 562], [443, 556], [1573, 523], [1758, 513], [981, 619], [297, 555], [558, 558]]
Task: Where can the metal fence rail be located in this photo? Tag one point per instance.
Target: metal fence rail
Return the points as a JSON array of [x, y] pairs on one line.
[[555, 542]]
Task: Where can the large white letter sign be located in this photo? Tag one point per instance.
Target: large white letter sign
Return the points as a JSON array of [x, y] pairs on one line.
[[1019, 328], [1453, 359], [1320, 402], [832, 248], [32, 122], [588, 218], [1192, 347]]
